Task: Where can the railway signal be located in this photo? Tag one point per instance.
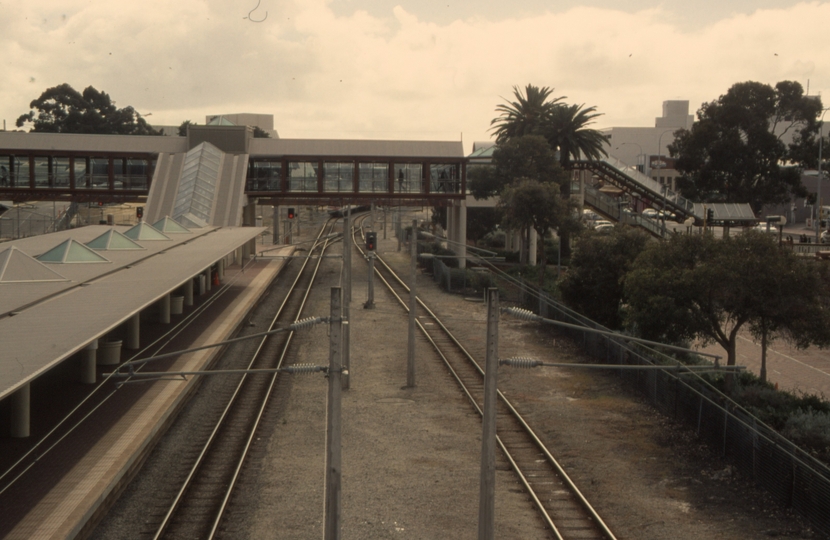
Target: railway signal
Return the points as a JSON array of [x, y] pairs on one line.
[[290, 213], [139, 212], [371, 241]]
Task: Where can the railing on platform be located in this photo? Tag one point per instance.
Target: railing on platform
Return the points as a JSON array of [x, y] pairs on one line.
[[611, 207]]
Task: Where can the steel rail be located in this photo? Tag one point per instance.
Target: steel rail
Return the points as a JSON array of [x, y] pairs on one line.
[[196, 467], [597, 520]]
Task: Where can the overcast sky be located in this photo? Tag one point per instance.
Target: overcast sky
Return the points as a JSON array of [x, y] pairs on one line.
[[400, 69]]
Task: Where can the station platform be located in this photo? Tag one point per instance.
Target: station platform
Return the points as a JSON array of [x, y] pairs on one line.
[[72, 502]]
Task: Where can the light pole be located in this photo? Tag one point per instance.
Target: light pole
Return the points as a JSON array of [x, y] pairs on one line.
[[818, 186], [638, 155], [660, 163]]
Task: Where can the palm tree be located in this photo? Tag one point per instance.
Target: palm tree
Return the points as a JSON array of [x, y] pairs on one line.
[[566, 129], [527, 115]]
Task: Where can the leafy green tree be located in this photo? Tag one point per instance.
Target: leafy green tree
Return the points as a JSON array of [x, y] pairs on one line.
[[525, 116], [480, 222], [735, 152], [700, 287], [62, 109], [528, 156], [567, 129], [593, 285], [260, 133], [182, 132], [531, 203]]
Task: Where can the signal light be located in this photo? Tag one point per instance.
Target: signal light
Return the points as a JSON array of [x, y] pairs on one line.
[[290, 213], [371, 241], [139, 212], [710, 215]]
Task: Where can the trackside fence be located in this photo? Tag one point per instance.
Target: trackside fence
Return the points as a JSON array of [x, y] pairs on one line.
[[792, 475]]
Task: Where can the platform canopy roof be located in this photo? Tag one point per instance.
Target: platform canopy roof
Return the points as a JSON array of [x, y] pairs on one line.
[[61, 308]]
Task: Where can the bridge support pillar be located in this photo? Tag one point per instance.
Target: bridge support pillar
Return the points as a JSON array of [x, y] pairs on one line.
[[206, 274], [164, 309], [87, 374], [134, 332], [188, 292], [19, 412], [220, 268]]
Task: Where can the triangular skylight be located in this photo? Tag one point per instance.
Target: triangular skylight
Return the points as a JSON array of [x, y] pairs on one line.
[[17, 267], [169, 225], [112, 240], [145, 231], [71, 251]]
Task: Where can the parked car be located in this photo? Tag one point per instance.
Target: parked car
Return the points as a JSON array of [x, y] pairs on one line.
[[762, 227], [825, 237], [650, 213], [605, 226]]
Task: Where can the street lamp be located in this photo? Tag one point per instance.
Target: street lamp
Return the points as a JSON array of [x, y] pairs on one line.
[[638, 155], [818, 188]]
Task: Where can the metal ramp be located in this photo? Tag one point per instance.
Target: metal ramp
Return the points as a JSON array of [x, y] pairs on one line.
[[611, 208], [632, 181]]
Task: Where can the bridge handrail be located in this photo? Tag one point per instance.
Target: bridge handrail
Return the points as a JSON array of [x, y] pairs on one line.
[[656, 188], [611, 207]]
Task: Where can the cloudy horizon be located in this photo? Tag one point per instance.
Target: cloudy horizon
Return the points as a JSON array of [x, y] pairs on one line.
[[387, 70]]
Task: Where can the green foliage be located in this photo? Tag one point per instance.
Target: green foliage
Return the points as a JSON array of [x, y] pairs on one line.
[[481, 222], [260, 133], [62, 109], [567, 129], [527, 156], [700, 287], [735, 152], [182, 131], [527, 115], [593, 285]]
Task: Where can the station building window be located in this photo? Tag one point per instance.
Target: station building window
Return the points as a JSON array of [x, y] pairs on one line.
[[265, 176], [338, 176], [302, 176], [136, 173], [99, 177], [444, 178], [408, 178], [374, 177], [60, 172], [81, 168], [19, 171], [41, 172]]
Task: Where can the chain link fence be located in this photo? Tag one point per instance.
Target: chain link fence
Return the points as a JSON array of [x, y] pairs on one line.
[[792, 475]]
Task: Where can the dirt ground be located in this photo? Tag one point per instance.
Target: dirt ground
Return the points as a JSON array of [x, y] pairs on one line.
[[410, 456]]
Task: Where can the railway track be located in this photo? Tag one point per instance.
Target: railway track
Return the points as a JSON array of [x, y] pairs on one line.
[[206, 484], [565, 511], [28, 474]]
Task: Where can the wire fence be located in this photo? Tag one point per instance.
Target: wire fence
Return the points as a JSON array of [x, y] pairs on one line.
[[793, 476], [790, 474]]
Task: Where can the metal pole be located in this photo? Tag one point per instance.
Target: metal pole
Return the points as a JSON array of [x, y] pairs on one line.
[[347, 297], [370, 303], [333, 427], [410, 349], [384, 223], [276, 224], [398, 228], [487, 485]]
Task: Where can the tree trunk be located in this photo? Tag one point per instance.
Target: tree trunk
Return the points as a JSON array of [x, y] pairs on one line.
[[544, 263]]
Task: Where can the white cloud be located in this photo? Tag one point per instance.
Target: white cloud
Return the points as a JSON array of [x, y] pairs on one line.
[[324, 75]]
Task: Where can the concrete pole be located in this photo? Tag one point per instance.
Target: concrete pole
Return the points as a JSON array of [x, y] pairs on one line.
[[276, 224], [347, 299], [487, 485], [134, 327], [164, 309], [188, 292], [462, 235], [88, 360], [19, 405], [410, 349], [220, 268], [333, 428], [384, 222], [208, 283], [370, 302]]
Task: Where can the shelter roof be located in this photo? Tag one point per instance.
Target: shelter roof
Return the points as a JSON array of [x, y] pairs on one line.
[[44, 323], [727, 211]]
